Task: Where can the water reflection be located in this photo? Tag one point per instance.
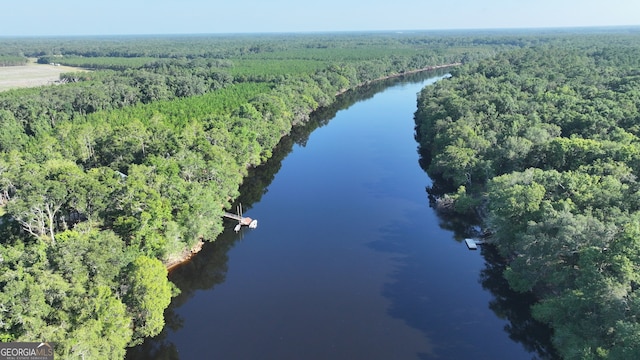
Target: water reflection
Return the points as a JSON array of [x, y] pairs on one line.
[[209, 268], [507, 304], [515, 307], [407, 301]]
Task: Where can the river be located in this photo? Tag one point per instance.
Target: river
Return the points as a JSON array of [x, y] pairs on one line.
[[349, 261]]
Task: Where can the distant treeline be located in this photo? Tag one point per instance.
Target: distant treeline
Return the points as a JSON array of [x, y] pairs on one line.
[[544, 143], [9, 60]]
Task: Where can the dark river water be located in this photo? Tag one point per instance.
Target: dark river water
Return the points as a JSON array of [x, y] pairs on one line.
[[349, 261]]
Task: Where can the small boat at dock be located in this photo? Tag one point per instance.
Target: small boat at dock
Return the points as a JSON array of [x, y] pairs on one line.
[[242, 221]]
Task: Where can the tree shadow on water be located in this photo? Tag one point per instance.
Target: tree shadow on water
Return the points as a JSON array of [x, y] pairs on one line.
[[506, 303], [209, 267], [515, 307], [411, 293]]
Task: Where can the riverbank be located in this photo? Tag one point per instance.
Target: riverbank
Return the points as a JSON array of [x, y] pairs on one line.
[[185, 256], [361, 263], [401, 74], [175, 261]]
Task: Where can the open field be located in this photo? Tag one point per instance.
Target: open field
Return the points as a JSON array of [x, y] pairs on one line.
[[31, 75]]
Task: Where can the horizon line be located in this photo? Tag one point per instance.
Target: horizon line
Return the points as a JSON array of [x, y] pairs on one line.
[[317, 32]]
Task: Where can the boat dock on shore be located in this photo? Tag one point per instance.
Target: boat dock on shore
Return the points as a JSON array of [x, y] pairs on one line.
[[242, 221], [472, 244]]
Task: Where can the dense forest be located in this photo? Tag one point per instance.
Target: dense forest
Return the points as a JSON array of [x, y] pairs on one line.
[[118, 171], [115, 173], [543, 144]]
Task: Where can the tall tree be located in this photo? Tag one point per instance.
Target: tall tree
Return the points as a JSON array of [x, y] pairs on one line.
[[147, 296]]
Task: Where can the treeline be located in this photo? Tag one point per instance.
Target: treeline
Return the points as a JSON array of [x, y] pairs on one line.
[[237, 46], [8, 60], [119, 193], [544, 143], [88, 92], [108, 178], [122, 82], [114, 63]]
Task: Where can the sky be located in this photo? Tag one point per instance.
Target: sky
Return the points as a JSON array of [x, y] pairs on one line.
[[123, 17]]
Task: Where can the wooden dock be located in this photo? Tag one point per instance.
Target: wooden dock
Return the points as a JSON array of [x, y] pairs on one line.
[[242, 221]]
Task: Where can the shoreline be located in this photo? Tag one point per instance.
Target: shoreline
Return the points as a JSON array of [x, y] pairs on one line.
[[184, 257], [392, 76], [187, 254]]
